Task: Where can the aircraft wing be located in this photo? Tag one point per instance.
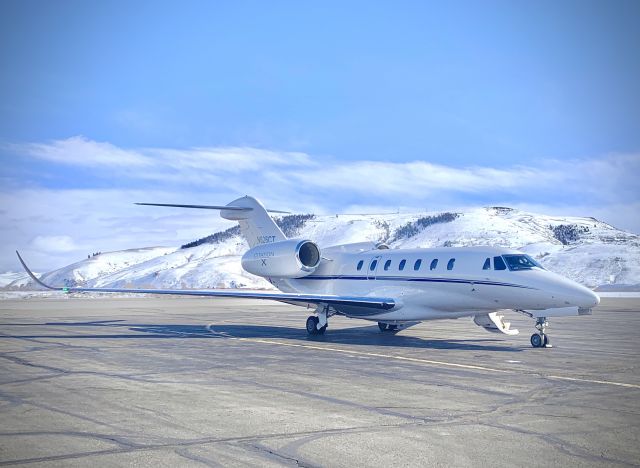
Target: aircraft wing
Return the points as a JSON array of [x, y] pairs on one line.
[[381, 303]]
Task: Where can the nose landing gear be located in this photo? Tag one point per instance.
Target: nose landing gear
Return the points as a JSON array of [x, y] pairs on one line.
[[541, 339]]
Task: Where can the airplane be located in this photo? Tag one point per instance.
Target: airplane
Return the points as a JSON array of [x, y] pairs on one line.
[[397, 288]]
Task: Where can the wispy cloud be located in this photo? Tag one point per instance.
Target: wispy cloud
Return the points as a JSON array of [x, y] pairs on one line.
[[419, 177], [59, 224], [229, 168], [55, 227], [54, 244], [80, 151]]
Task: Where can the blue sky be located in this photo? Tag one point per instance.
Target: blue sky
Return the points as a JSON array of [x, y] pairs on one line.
[[309, 106]]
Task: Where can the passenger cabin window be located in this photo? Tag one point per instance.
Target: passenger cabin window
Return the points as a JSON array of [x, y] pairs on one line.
[[416, 266], [402, 264], [434, 264], [387, 264], [360, 263], [450, 264], [373, 265], [498, 264], [487, 264]]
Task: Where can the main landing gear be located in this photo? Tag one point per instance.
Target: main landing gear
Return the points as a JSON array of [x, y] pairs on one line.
[[317, 325], [541, 339], [312, 326]]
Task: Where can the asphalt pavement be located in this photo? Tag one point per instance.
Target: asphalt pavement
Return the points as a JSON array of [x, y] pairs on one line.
[[219, 382]]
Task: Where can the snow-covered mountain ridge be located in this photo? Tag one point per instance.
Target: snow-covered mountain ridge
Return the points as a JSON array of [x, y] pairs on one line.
[[584, 249]]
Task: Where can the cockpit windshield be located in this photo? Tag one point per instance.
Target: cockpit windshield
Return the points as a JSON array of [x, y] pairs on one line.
[[521, 262]]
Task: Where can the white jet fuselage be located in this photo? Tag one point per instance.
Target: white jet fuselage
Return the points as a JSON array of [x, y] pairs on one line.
[[462, 282]]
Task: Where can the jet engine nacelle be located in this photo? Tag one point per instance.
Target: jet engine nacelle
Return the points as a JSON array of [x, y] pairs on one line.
[[291, 258]]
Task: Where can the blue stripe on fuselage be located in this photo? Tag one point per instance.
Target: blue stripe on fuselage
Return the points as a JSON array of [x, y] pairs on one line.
[[414, 279]]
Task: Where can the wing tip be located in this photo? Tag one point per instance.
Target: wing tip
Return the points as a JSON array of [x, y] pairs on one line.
[[33, 277]]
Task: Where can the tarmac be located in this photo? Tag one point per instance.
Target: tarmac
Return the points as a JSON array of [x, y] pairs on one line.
[[218, 382]]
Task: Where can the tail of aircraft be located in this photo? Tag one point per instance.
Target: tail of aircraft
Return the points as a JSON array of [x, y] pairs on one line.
[[256, 226]]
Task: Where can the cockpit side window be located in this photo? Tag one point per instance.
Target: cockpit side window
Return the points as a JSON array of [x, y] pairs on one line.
[[434, 264], [487, 264], [520, 262], [450, 264], [360, 263], [498, 264]]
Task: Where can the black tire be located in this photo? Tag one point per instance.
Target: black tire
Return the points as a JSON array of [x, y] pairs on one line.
[[393, 328], [312, 325], [383, 326], [536, 340]]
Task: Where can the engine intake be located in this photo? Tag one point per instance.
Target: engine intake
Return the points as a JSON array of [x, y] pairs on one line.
[[292, 258]]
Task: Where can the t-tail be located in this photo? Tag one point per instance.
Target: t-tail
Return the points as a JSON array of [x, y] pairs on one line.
[[256, 226]]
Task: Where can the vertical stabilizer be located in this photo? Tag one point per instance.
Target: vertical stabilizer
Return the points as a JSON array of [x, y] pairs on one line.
[[256, 226]]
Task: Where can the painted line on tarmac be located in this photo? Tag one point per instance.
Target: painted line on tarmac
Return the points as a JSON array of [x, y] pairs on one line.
[[356, 353], [387, 356], [604, 382], [412, 359]]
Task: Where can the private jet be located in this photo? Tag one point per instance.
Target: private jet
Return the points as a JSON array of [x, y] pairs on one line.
[[397, 288]]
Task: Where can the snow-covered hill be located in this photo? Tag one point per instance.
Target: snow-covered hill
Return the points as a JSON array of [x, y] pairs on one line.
[[13, 279], [584, 249]]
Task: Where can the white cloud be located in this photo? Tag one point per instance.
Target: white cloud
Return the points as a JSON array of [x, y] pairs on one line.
[[418, 177], [80, 151], [230, 169], [56, 227], [160, 162], [54, 244]]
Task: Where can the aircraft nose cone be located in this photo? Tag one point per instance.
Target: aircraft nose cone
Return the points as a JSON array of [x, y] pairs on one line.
[[587, 298], [596, 299]]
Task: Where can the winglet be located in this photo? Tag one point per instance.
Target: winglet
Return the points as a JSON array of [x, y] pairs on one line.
[[30, 273]]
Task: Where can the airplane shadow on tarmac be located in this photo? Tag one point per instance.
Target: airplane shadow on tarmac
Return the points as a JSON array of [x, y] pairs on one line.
[[354, 336]]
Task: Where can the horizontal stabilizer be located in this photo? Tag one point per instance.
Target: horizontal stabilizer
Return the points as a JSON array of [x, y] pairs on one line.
[[210, 207]]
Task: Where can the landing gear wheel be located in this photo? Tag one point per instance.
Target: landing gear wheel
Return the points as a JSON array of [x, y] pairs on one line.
[[393, 328], [383, 326], [536, 340], [312, 325], [322, 330], [541, 339]]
